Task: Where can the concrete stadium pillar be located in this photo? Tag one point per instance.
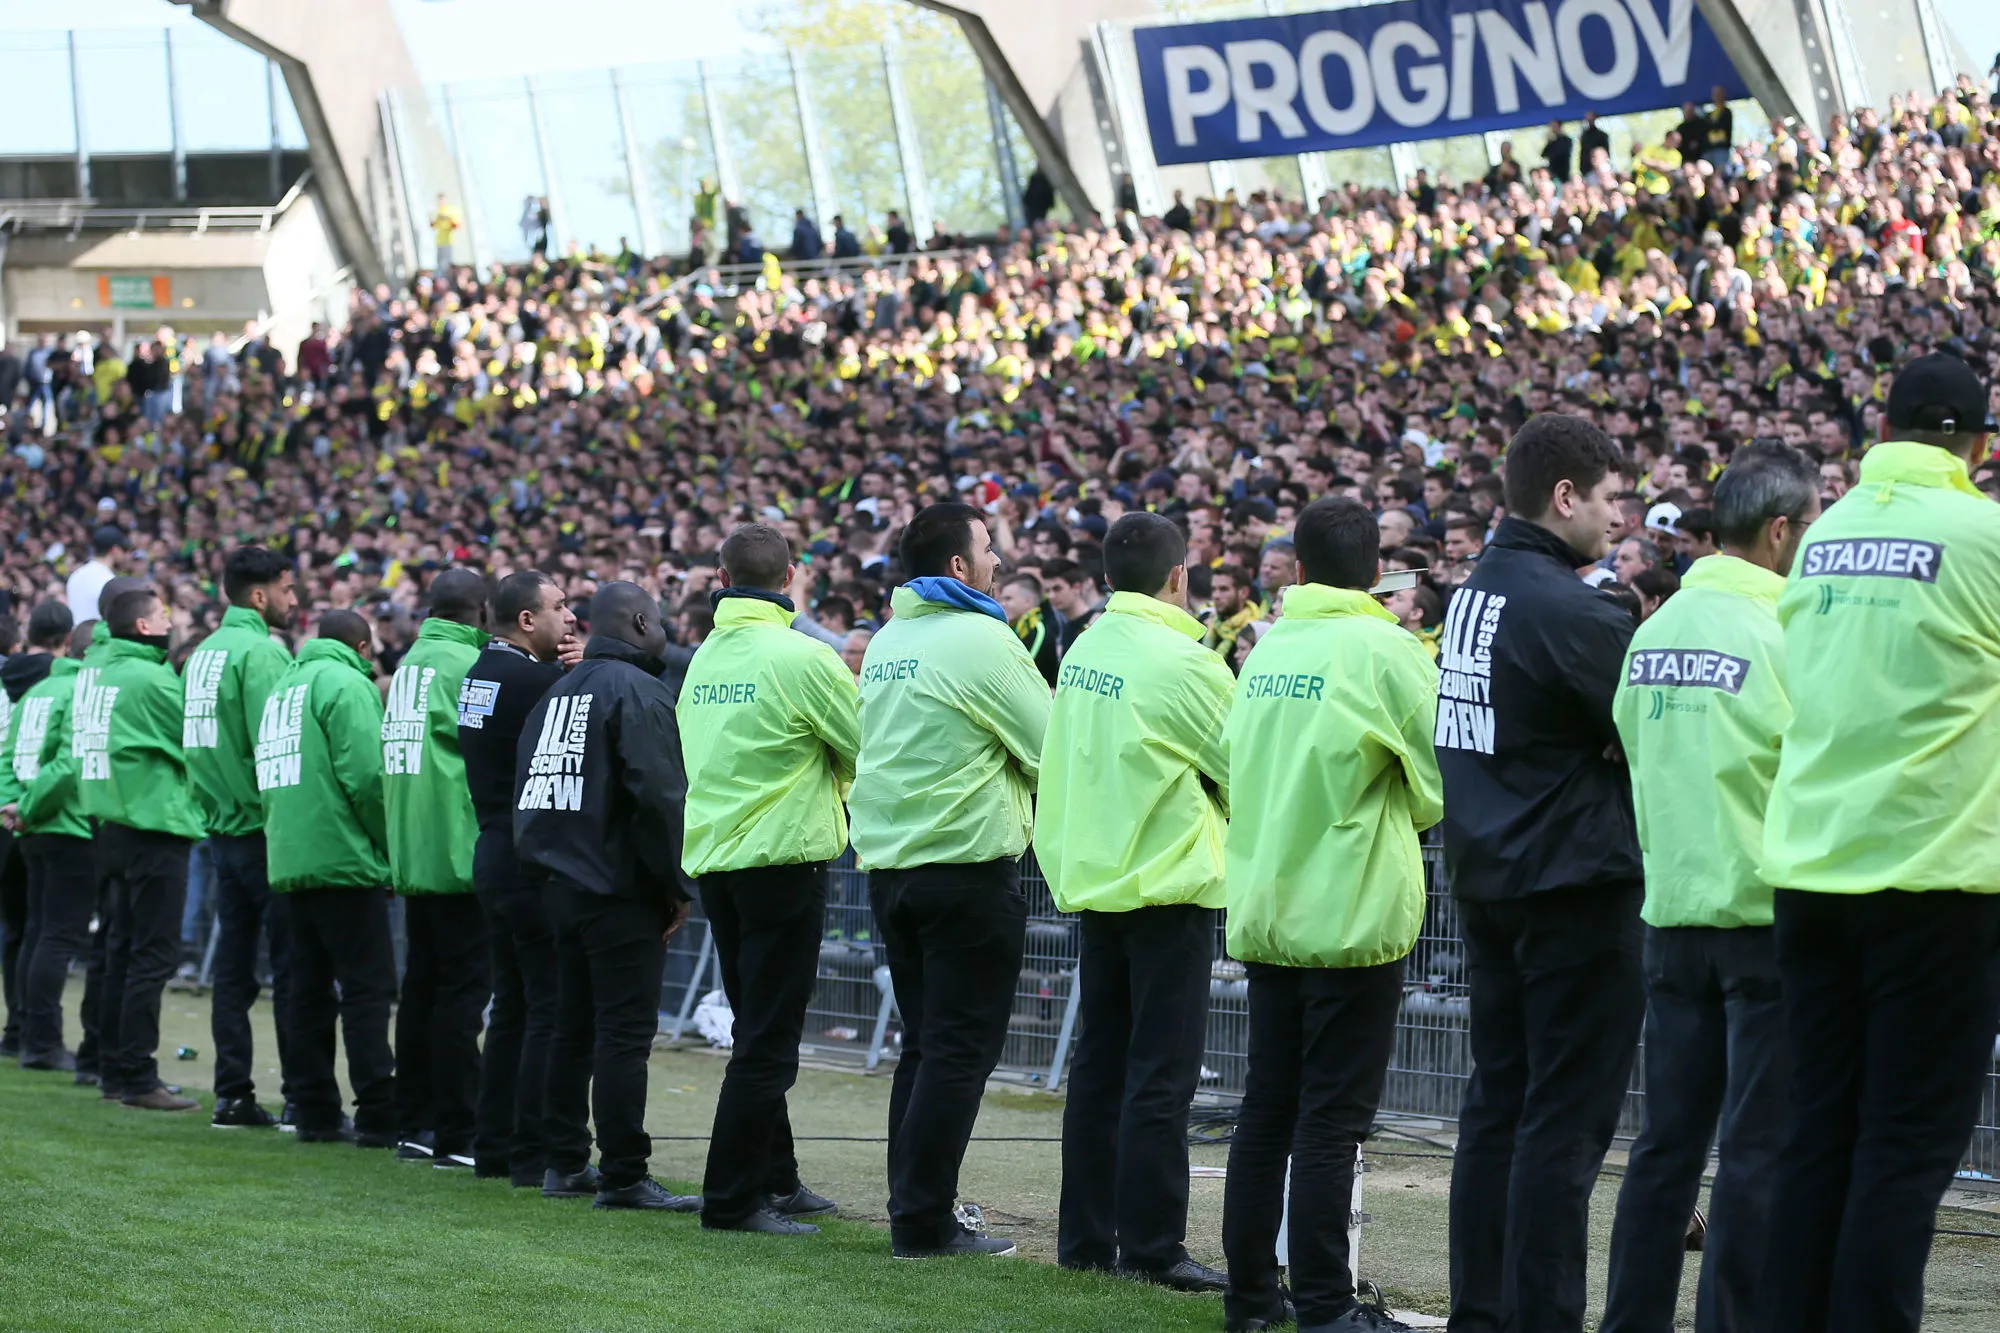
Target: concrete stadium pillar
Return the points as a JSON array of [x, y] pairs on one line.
[[336, 61], [1036, 53]]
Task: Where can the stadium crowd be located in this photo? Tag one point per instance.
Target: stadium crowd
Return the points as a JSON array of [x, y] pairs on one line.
[[1214, 406], [598, 418]]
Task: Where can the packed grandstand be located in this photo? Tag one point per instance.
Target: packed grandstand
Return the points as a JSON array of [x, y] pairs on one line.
[[613, 416]]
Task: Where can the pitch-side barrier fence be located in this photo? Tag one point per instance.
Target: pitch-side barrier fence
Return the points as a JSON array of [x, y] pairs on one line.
[[853, 1016]]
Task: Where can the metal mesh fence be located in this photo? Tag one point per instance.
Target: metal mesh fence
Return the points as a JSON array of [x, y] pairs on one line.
[[850, 1016]]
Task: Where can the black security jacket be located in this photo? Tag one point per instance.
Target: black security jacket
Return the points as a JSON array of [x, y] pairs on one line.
[[599, 788], [1529, 662]]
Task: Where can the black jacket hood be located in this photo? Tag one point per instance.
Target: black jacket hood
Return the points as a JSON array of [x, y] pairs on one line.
[[23, 671]]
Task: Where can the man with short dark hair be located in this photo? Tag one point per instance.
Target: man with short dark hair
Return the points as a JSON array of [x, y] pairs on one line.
[[319, 774], [132, 773], [48, 834], [534, 638], [952, 715], [1332, 776], [224, 685], [1232, 609], [1130, 838], [598, 817], [90, 644], [1544, 863], [1886, 865], [1703, 750], [770, 726], [432, 831]]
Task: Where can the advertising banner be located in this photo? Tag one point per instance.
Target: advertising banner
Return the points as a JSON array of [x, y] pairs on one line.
[[1421, 69]]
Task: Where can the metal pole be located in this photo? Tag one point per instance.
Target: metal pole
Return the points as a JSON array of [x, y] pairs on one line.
[[174, 121], [403, 187], [693, 991], [718, 137], [1313, 180], [474, 230], [558, 215], [76, 112], [1937, 51], [1402, 163], [1068, 1031], [1851, 75], [916, 186], [271, 109], [818, 179], [635, 172], [1003, 155]]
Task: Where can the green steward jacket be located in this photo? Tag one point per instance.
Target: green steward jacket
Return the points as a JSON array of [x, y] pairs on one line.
[[952, 715], [1131, 812], [1332, 776], [223, 688], [39, 775], [125, 732], [1890, 771], [431, 824], [1700, 712], [770, 724], [319, 771]]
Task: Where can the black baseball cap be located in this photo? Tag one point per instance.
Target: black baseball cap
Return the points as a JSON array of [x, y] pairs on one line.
[[1940, 393]]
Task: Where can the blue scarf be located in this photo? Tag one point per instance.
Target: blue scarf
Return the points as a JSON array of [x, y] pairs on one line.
[[949, 591]]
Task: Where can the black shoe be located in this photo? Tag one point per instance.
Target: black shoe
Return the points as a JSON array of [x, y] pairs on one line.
[[647, 1195], [340, 1133], [62, 1062], [288, 1119], [452, 1161], [527, 1178], [485, 1168], [86, 1078], [420, 1147], [1187, 1275], [1281, 1316], [582, 1184], [764, 1222], [963, 1240], [10, 1050], [374, 1140], [801, 1202], [241, 1113], [1361, 1319]]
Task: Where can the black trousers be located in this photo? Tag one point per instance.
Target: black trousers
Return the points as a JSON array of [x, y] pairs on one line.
[[1142, 1020], [1558, 996], [767, 924], [62, 885], [447, 981], [1890, 1004], [90, 1013], [1320, 1042], [343, 966], [610, 953], [1715, 1056], [14, 923], [149, 887], [509, 1132], [243, 909], [954, 935]]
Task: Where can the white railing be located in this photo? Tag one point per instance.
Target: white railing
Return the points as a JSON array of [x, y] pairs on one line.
[[80, 215]]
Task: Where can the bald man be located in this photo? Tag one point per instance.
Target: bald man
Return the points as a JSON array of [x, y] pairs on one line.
[[598, 812]]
